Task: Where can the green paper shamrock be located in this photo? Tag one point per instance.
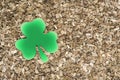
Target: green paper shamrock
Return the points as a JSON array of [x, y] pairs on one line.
[[36, 38]]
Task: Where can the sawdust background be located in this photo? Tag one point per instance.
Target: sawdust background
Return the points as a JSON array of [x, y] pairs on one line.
[[88, 38]]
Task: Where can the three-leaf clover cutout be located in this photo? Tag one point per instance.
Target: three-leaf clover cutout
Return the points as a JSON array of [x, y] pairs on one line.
[[36, 38]]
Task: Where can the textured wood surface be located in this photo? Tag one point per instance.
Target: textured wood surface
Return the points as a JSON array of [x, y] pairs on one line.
[[88, 38]]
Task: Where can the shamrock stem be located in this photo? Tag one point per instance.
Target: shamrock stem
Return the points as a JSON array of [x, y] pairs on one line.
[[43, 57]]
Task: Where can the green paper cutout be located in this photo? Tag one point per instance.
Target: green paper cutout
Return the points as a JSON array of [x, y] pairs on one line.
[[36, 38]]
